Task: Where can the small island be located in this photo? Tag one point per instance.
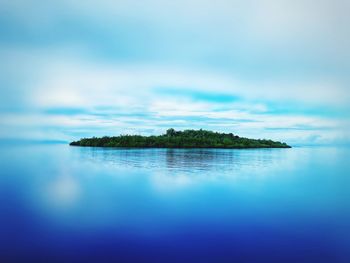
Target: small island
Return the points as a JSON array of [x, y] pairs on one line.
[[181, 139]]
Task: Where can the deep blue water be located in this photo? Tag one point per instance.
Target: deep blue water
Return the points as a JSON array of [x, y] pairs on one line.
[[71, 204]]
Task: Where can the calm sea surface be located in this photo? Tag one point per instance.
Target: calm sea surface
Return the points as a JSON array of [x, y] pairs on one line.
[[71, 204]]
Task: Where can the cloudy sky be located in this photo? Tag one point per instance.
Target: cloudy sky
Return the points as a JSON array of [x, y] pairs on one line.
[[274, 69]]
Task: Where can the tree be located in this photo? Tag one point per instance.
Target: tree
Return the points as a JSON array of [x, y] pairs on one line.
[[181, 139], [170, 132]]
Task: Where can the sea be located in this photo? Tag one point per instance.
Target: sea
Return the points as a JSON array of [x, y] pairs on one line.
[[60, 203]]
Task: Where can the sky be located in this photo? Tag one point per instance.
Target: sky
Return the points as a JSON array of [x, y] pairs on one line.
[[276, 69]]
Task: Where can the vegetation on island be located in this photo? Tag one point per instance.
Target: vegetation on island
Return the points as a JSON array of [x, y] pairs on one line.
[[181, 139]]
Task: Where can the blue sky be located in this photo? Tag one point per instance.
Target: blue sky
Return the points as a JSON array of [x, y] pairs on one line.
[[265, 69]]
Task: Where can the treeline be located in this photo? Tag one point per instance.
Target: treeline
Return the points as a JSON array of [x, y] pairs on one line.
[[180, 139]]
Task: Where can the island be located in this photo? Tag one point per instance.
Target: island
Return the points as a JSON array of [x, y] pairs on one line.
[[181, 139]]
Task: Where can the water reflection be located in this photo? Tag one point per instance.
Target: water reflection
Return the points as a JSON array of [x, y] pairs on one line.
[[186, 160]]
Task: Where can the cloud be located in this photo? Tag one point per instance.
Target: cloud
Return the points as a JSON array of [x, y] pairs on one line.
[[76, 98], [274, 69]]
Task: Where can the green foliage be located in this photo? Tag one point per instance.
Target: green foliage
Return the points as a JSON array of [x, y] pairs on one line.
[[180, 139]]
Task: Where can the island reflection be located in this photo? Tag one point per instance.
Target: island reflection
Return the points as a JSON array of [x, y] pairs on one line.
[[184, 160]]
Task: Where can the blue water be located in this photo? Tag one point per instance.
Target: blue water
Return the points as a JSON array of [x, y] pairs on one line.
[[71, 204]]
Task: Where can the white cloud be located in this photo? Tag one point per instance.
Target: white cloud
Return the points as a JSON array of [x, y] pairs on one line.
[[198, 45], [78, 82]]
